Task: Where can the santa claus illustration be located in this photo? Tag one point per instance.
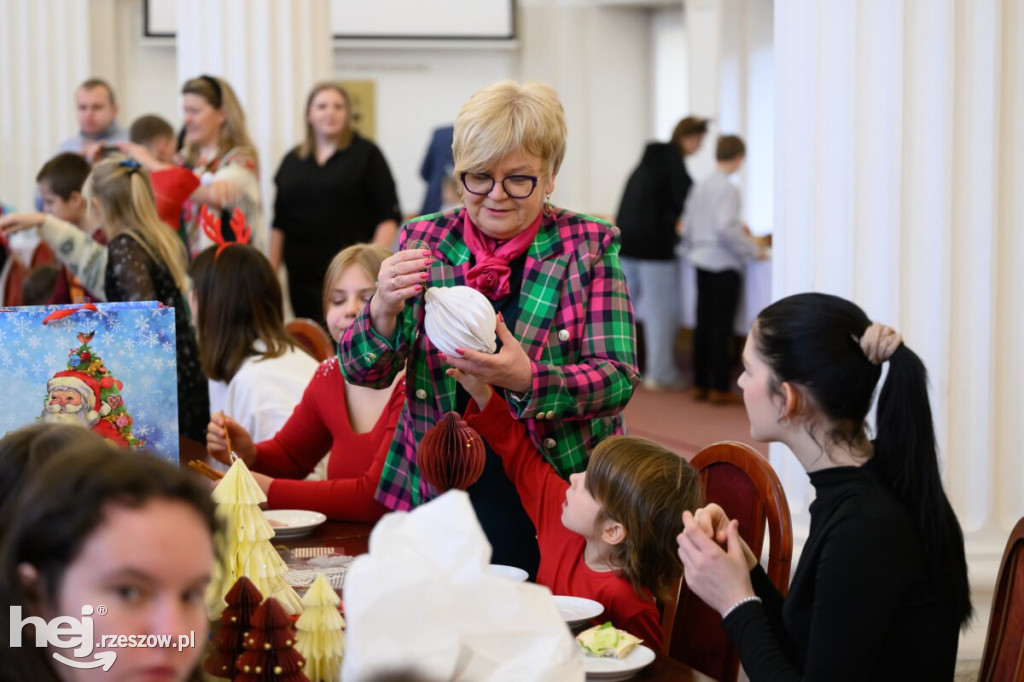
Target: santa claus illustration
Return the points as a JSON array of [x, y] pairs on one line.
[[74, 398]]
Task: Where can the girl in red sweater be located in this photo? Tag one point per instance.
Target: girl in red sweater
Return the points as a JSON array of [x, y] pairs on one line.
[[355, 423], [609, 533]]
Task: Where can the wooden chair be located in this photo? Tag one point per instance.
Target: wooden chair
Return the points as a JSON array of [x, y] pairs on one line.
[[743, 483], [312, 337], [1003, 660]]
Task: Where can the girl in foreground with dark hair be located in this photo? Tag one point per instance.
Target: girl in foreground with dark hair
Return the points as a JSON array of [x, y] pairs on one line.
[[880, 591], [96, 526]]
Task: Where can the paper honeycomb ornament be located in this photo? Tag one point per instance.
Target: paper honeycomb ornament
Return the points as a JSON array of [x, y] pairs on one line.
[[451, 454], [321, 634], [244, 544]]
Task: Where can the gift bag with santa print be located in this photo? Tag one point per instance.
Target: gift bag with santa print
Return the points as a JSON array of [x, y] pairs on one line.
[[108, 367]]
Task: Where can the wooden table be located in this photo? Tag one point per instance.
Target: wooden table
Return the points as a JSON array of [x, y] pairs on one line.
[[665, 669], [352, 539]]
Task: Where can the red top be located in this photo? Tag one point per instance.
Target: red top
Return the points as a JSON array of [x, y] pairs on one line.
[[562, 568], [321, 422], [171, 187]]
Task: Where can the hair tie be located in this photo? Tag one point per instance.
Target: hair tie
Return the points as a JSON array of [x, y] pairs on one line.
[[879, 342], [131, 164]]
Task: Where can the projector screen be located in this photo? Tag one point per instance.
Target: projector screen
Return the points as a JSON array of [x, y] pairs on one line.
[[386, 19]]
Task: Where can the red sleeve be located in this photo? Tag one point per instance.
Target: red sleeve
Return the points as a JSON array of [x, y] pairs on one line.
[[304, 439], [540, 488], [344, 499], [171, 187]]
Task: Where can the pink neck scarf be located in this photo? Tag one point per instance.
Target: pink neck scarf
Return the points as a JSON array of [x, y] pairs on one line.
[[491, 273]]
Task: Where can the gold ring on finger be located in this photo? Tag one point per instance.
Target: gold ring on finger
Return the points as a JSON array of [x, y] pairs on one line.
[[394, 273], [394, 282]]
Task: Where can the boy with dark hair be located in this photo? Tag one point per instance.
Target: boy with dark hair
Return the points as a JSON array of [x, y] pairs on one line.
[[60, 183], [719, 246], [40, 284]]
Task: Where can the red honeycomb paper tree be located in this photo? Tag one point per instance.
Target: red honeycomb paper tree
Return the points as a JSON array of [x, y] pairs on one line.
[[229, 642], [270, 654]]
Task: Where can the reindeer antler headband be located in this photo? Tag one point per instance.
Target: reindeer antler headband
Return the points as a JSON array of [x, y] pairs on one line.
[[211, 227]]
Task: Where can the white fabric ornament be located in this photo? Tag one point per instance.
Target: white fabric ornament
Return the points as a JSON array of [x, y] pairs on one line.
[[460, 317]]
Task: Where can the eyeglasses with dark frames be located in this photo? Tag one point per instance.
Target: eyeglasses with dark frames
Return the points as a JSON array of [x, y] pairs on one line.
[[516, 186]]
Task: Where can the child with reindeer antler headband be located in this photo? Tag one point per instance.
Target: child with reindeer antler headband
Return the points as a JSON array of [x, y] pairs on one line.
[[355, 423], [145, 262], [256, 372]]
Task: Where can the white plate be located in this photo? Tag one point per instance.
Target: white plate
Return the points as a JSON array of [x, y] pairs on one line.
[[577, 610], [510, 572], [612, 669], [297, 522]]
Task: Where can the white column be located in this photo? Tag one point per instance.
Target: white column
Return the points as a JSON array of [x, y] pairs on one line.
[[272, 52], [702, 20], [596, 58], [899, 156], [44, 55]]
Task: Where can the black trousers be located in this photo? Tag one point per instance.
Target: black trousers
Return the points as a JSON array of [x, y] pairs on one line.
[[718, 294]]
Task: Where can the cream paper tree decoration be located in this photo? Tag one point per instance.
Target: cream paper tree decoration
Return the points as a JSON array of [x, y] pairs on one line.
[[244, 544], [321, 638]]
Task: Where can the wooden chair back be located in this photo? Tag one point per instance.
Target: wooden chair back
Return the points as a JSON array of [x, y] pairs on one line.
[[311, 337], [741, 481], [1003, 660]]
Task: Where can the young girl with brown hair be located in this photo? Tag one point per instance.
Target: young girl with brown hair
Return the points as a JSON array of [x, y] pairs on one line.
[[608, 534], [256, 371]]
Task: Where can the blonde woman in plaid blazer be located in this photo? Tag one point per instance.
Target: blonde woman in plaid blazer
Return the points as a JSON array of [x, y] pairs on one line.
[[567, 358]]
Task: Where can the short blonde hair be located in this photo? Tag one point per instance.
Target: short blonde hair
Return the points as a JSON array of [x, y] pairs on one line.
[[367, 256], [219, 94], [509, 117]]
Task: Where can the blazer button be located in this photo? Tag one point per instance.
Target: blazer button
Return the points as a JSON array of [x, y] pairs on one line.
[[549, 443], [540, 415], [563, 335], [421, 394], [372, 356], [550, 415]]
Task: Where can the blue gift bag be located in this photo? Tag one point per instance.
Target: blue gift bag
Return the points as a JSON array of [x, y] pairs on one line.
[[110, 367]]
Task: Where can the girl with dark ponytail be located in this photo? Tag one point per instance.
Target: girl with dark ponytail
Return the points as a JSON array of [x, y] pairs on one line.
[[880, 591]]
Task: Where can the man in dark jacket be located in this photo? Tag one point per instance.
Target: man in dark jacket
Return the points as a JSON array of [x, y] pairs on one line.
[[648, 217]]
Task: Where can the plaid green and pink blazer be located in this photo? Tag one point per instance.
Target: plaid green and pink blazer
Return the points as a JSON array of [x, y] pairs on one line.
[[575, 323]]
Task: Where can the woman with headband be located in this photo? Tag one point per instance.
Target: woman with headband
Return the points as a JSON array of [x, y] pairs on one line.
[[216, 147]]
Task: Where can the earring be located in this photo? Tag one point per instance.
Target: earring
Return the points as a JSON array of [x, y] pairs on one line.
[[548, 211], [784, 421]]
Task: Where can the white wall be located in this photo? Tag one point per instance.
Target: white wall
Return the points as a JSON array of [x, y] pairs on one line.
[[598, 58], [416, 91], [143, 71], [148, 73], [746, 101], [670, 81]]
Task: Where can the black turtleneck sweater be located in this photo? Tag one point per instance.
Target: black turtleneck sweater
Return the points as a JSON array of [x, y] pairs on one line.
[[860, 606]]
